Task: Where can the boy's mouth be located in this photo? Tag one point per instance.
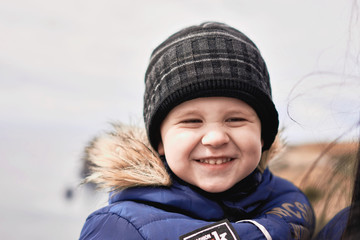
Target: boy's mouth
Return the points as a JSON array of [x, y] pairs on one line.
[[215, 161]]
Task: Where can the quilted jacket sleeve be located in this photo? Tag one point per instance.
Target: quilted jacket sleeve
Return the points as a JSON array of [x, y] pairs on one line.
[[102, 225], [288, 216]]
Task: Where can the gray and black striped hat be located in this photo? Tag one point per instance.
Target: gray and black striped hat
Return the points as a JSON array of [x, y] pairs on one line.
[[208, 60]]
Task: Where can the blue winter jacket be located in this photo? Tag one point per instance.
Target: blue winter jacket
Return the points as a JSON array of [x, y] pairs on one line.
[[335, 228], [268, 207]]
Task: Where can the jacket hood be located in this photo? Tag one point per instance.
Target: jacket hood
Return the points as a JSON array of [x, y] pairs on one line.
[[123, 158]]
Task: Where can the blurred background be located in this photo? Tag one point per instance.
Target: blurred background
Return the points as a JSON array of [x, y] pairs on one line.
[[70, 68]]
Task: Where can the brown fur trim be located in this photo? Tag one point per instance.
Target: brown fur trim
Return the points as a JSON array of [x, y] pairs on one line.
[[123, 158]]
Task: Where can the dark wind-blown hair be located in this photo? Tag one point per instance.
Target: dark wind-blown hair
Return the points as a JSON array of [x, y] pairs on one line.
[[352, 230]]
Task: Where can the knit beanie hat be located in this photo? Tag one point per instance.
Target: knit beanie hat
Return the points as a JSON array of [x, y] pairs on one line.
[[209, 60]]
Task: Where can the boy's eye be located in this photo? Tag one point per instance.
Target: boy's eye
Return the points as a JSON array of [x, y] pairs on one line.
[[235, 120], [191, 121]]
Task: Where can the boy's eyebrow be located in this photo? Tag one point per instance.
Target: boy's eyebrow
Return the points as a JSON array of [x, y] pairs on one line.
[[245, 112], [185, 112], [195, 111]]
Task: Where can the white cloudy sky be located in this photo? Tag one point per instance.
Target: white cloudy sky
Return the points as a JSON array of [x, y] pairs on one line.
[[79, 64], [69, 67]]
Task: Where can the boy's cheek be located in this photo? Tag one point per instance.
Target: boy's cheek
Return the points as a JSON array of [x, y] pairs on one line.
[[178, 141], [184, 135], [179, 135]]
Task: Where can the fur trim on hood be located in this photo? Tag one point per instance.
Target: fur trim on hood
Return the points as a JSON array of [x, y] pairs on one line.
[[123, 158]]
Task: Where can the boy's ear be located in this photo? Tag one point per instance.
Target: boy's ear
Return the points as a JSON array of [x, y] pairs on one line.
[[161, 148]]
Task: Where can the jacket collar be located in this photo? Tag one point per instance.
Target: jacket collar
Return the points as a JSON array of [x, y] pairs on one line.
[[237, 203]]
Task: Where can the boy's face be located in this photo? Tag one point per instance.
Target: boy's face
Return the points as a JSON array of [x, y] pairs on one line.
[[212, 143]]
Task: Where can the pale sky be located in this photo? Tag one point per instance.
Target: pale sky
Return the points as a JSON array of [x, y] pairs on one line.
[[81, 63]]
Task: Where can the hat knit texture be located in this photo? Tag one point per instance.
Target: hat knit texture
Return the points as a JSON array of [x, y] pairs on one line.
[[208, 60]]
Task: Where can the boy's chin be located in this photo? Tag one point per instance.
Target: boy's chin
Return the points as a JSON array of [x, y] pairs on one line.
[[214, 189]]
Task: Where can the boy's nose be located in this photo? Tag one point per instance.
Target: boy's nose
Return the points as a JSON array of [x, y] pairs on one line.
[[215, 138]]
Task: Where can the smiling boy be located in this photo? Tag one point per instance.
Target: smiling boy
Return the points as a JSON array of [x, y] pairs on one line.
[[210, 119], [213, 147]]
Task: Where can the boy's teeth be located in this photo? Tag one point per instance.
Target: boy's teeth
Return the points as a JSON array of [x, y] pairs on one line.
[[215, 161]]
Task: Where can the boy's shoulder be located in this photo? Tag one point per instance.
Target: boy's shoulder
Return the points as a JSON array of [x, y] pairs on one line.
[[277, 185], [285, 190], [282, 194], [138, 221], [136, 213]]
